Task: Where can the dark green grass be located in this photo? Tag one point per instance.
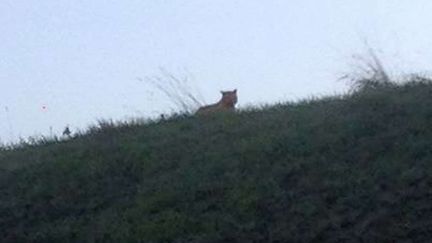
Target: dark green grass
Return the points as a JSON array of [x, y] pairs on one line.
[[353, 168]]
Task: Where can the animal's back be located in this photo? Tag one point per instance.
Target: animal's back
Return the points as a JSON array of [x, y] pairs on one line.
[[208, 109]]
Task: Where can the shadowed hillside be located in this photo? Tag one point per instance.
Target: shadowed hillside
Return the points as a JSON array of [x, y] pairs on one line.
[[354, 168]]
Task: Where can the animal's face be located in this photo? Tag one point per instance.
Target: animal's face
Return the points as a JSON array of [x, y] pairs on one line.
[[229, 96]]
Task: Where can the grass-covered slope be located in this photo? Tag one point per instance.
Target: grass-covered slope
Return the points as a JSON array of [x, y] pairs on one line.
[[356, 168]]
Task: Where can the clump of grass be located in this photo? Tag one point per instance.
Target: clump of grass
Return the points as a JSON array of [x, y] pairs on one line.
[[369, 72], [177, 89]]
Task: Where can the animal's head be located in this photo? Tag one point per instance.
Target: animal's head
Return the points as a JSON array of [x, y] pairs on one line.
[[229, 97]]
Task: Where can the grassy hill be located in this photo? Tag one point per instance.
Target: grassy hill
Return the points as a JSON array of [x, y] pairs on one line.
[[354, 168]]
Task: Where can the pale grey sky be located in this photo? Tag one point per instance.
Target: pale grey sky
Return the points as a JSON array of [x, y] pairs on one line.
[[81, 59]]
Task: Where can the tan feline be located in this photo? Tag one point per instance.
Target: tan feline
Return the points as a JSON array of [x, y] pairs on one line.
[[227, 103]]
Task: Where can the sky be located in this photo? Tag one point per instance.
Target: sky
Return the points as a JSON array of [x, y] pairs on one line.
[[74, 62]]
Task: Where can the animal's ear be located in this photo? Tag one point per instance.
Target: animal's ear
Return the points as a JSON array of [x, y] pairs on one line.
[[222, 92], [235, 91]]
